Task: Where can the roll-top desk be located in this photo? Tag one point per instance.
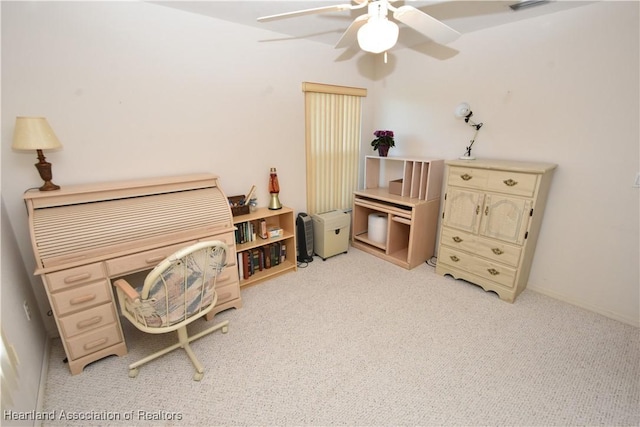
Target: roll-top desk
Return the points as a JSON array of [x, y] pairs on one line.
[[84, 236]]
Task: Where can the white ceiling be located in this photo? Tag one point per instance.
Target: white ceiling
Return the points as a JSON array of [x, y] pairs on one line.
[[463, 16]]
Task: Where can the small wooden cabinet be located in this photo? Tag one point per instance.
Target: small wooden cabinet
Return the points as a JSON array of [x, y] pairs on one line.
[[406, 193], [491, 218], [284, 245]]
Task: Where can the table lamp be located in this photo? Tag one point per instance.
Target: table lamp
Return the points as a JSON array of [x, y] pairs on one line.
[[274, 190], [34, 133], [463, 110]]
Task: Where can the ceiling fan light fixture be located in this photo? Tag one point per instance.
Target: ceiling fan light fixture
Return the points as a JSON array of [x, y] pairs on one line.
[[378, 35]]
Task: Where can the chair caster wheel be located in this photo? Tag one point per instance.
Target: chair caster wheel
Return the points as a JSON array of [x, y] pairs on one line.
[[198, 376], [133, 373]]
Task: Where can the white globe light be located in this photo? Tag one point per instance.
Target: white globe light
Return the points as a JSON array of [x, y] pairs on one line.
[[378, 35], [462, 110]]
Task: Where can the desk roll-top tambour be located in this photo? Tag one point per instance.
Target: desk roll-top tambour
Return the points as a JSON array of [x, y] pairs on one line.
[[84, 236]]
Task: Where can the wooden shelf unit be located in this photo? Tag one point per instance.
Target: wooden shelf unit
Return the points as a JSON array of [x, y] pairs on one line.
[[282, 218], [412, 215]]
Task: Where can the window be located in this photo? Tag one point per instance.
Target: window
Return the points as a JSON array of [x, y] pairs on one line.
[[332, 123]]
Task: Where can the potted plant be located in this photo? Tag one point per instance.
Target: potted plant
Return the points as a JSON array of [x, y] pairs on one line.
[[383, 141]]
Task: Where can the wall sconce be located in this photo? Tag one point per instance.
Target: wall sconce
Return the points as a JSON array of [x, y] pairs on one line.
[[463, 110], [34, 133]]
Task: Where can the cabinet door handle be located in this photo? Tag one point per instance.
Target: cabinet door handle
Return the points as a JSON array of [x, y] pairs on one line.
[[497, 251], [477, 209], [454, 258], [82, 299], [509, 182], [493, 271], [466, 177], [89, 322], [456, 239], [486, 210]]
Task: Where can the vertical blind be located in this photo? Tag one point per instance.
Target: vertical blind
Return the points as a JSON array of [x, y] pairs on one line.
[[332, 123]]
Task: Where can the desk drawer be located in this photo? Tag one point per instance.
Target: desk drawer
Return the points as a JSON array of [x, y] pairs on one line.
[[230, 240], [74, 276], [93, 341], [227, 285], [87, 320], [81, 298], [143, 260]]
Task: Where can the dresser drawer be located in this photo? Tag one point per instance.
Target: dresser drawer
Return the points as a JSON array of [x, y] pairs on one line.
[[458, 239], [74, 276], [93, 341], [143, 260], [497, 251], [81, 298], [516, 183], [230, 240], [468, 177], [495, 272], [87, 320]]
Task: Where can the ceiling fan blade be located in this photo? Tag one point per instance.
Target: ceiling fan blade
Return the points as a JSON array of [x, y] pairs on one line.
[[426, 25], [335, 8], [349, 37]]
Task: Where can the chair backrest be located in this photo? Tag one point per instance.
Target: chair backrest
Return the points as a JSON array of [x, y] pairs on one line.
[[182, 286]]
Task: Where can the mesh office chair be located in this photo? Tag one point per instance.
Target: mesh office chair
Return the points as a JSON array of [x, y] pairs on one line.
[[178, 291]]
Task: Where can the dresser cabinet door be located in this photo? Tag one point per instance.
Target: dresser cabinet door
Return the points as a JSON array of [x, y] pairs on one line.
[[462, 210], [505, 218]]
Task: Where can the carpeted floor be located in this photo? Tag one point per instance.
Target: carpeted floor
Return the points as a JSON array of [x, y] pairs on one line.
[[358, 341]]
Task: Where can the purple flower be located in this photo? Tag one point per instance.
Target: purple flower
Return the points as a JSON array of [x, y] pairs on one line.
[[383, 137]]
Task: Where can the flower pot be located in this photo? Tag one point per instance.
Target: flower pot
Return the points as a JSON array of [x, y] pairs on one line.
[[383, 150]]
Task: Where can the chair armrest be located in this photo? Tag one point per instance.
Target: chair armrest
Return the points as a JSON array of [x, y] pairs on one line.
[[127, 289]]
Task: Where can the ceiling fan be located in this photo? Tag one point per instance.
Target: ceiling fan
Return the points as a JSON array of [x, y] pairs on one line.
[[374, 31]]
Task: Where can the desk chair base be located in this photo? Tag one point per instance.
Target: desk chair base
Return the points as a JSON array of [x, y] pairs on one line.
[[183, 342]]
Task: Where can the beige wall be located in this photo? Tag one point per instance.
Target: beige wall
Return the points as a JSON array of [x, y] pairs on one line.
[[562, 88], [135, 90]]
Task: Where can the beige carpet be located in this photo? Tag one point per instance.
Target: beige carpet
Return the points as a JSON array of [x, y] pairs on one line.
[[358, 341]]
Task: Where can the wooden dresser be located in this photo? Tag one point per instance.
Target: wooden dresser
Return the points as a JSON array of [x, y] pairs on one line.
[[492, 214], [84, 236]]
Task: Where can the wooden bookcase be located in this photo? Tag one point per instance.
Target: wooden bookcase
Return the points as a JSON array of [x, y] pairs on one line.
[[281, 218], [412, 215]]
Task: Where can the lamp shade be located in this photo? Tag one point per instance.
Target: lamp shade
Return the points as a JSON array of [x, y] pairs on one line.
[[462, 110], [34, 133], [378, 35]]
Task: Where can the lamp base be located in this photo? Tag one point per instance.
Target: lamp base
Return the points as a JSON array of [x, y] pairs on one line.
[[44, 169], [467, 158], [48, 186], [274, 203]]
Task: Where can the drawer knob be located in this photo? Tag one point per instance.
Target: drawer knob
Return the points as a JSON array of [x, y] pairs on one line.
[[89, 322], [454, 258], [77, 278], [493, 271], [155, 259], [466, 177], [497, 251], [96, 343], [456, 239], [509, 182], [82, 299]]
